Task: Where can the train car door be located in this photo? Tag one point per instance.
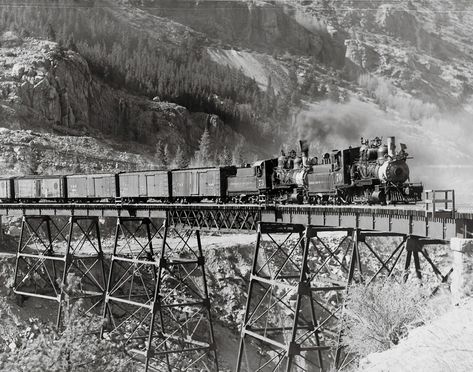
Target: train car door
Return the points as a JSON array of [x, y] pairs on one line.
[[195, 183], [203, 182], [142, 185], [91, 187], [98, 186], [150, 186], [37, 188]]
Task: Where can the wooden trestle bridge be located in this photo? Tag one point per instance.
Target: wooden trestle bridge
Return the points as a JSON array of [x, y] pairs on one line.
[[152, 289]]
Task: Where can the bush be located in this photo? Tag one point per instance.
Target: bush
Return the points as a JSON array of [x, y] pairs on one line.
[[379, 315], [39, 347]]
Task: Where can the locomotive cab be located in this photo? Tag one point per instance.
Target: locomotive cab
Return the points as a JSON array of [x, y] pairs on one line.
[[263, 173]]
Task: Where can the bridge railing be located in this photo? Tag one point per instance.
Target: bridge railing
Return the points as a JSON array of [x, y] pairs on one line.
[[440, 203]]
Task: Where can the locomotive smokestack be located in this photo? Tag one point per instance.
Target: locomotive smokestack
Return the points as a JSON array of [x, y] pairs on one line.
[[305, 153], [391, 142]]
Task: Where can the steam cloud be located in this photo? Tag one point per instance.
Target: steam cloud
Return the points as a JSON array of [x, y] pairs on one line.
[[332, 125]]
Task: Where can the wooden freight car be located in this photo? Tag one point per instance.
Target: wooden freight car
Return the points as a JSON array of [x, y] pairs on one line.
[[40, 188], [7, 189], [145, 185], [201, 183], [92, 187]]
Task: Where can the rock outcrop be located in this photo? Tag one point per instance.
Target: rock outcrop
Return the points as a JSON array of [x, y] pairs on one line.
[[360, 58], [45, 87]]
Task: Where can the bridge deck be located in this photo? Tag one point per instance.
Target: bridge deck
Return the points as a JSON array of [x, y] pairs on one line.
[[405, 219]]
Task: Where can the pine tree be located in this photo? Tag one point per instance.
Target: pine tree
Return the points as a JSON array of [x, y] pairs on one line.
[[76, 165], [160, 155], [166, 156], [180, 160], [204, 154], [225, 158], [237, 156]]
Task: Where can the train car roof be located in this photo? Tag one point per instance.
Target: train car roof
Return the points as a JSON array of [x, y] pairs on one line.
[[202, 168], [33, 177], [147, 171], [90, 174]]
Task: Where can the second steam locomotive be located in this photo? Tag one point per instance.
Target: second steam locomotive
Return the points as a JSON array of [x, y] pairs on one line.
[[373, 173]]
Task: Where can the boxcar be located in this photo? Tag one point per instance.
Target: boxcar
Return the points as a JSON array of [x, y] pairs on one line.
[[40, 187], [7, 188], [201, 183], [145, 185], [92, 186]]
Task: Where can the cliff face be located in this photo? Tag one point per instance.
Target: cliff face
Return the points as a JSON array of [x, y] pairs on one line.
[[44, 88]]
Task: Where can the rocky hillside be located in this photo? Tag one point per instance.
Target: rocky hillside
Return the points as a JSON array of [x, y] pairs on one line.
[[47, 89], [422, 46]]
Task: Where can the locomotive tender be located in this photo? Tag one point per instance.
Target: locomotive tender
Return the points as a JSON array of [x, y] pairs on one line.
[[373, 173]]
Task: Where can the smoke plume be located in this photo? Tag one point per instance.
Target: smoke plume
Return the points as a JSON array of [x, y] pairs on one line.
[[440, 144]]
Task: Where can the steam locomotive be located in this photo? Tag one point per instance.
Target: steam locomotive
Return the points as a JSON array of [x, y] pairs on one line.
[[373, 173]]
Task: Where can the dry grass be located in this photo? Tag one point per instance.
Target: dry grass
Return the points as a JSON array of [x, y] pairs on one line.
[[380, 314]]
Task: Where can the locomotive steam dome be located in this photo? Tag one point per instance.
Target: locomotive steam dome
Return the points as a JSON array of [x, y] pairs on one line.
[[382, 152], [395, 171]]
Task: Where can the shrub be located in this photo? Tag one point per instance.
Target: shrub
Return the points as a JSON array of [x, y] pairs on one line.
[[379, 315], [38, 347]]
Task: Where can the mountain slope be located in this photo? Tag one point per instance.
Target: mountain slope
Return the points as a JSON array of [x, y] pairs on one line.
[[274, 71], [48, 89]]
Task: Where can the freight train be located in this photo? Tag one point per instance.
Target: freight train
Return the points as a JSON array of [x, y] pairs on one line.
[[373, 173]]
